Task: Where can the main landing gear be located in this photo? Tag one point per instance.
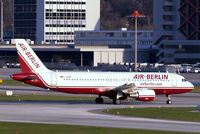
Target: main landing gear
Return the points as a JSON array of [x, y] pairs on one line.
[[169, 99], [99, 100]]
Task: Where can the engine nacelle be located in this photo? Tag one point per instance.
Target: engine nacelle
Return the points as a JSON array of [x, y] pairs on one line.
[[144, 95]]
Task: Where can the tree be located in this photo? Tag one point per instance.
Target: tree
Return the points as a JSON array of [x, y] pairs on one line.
[[114, 13]]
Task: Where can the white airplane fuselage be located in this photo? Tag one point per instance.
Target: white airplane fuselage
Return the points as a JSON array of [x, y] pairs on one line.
[[100, 82], [115, 85]]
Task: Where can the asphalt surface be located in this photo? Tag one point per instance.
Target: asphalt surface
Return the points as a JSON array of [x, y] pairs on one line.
[[88, 113]]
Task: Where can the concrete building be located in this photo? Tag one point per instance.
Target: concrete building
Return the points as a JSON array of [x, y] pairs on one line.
[[176, 31], [91, 48], [114, 46], [54, 21], [24, 19]]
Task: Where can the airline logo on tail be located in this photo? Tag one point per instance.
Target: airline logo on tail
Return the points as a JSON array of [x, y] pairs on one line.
[[29, 55], [30, 63]]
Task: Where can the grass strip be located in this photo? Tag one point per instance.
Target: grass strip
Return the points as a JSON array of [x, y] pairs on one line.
[[33, 97], [196, 89], [184, 114], [13, 83], [30, 128]]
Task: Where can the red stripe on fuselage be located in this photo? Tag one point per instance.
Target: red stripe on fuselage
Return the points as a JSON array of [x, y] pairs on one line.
[[93, 89], [97, 90]]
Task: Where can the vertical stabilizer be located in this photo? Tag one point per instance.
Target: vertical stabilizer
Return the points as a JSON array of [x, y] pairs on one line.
[[29, 61]]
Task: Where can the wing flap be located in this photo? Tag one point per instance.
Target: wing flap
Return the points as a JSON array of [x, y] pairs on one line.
[[124, 88]]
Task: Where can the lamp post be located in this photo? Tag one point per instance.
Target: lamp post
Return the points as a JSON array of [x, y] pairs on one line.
[[135, 15], [2, 24]]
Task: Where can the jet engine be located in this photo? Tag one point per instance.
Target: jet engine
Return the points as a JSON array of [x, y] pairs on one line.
[[143, 95]]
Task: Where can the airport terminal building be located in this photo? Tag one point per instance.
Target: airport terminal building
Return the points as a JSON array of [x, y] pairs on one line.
[[91, 48], [54, 21], [176, 31], [115, 46]]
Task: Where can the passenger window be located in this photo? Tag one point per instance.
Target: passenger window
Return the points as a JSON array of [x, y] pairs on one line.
[[184, 80]]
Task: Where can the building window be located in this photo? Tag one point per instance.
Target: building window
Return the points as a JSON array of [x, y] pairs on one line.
[[52, 25], [167, 8], [124, 34], [60, 3], [167, 17], [167, 27]]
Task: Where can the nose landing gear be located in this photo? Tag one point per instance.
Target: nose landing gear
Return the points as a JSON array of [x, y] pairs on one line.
[[169, 99]]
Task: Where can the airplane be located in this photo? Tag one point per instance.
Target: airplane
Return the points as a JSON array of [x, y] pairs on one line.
[[115, 85]]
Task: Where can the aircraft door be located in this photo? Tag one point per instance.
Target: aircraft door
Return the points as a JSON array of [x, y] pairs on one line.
[[53, 79], [174, 82]]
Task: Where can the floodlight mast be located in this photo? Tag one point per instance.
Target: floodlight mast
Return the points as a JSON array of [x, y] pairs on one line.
[[135, 15], [2, 24]]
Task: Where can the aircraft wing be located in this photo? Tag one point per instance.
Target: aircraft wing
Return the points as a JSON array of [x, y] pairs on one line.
[[132, 91], [125, 88]]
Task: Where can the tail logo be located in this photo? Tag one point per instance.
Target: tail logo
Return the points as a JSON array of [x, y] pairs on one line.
[[29, 55]]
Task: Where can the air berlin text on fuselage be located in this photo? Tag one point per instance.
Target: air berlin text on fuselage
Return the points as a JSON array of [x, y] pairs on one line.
[[151, 76], [29, 55]]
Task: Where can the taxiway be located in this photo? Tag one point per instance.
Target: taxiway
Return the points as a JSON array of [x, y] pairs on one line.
[[88, 113]]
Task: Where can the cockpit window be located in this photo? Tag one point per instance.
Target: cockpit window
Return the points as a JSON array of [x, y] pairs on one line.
[[184, 80]]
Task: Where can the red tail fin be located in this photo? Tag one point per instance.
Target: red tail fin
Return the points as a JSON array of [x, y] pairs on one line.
[[30, 63], [24, 66]]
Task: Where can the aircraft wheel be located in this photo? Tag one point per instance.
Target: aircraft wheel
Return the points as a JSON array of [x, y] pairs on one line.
[[169, 99], [116, 101], [169, 102], [99, 100]]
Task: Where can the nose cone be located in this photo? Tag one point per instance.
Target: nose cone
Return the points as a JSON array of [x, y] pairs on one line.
[[190, 85]]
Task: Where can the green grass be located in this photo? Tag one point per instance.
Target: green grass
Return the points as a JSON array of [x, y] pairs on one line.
[[3, 97], [30, 128], [160, 113], [33, 97], [196, 89], [13, 83]]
